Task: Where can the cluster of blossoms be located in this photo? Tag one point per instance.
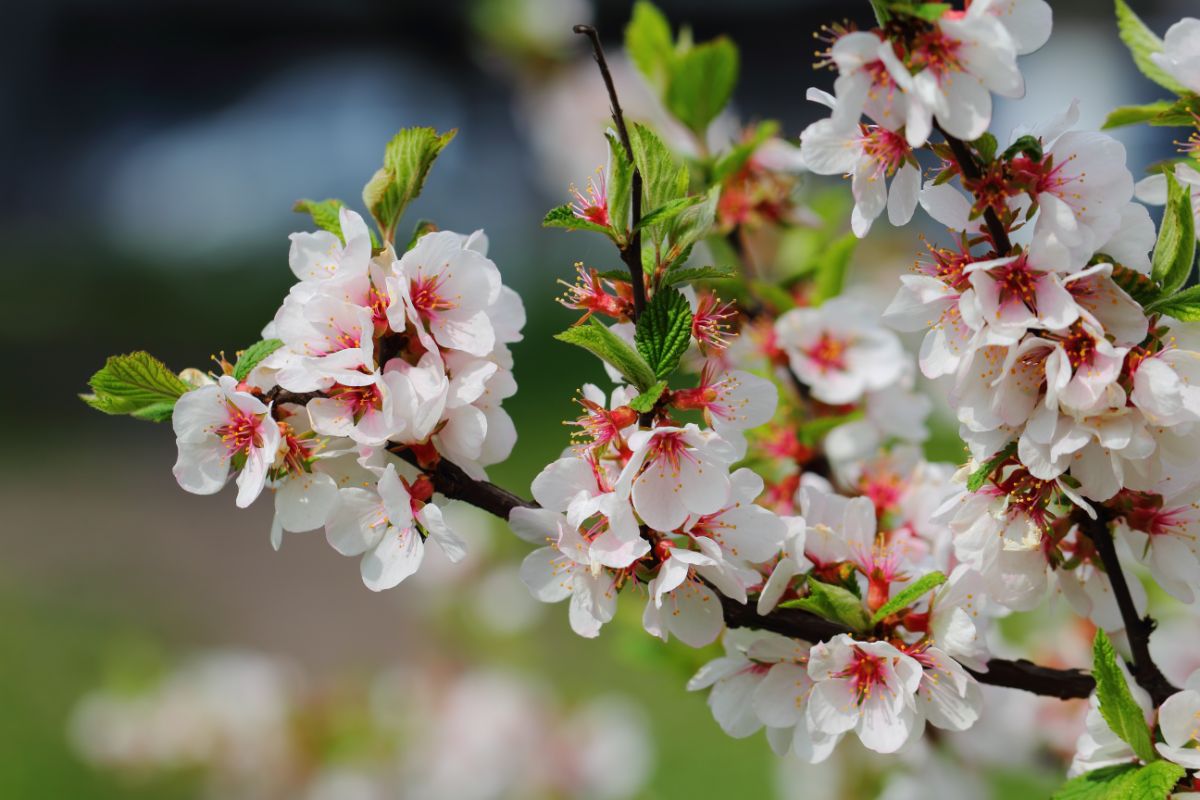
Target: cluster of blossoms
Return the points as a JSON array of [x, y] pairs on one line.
[[252, 726], [376, 356], [782, 498]]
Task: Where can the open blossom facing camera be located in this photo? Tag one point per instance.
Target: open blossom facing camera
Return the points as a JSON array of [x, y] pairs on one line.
[[757, 471]]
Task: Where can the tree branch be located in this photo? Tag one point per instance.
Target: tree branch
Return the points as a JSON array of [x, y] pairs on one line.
[[1066, 684], [970, 171], [1137, 629], [631, 252]]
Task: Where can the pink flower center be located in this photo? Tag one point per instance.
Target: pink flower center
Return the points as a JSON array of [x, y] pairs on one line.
[[866, 672], [1079, 346], [670, 449], [888, 149], [1017, 283], [426, 295], [828, 353], [937, 52], [241, 432], [358, 399]]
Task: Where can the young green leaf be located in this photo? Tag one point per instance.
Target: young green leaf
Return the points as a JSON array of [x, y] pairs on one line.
[[645, 401], [1029, 145], [831, 269], [1132, 115], [980, 476], [663, 178], [667, 212], [833, 603], [694, 224], [406, 162], [1154, 781], [563, 217], [620, 177], [1175, 250], [248, 359], [688, 274], [701, 83], [597, 339], [325, 213], [909, 595], [986, 146], [137, 384], [736, 157], [664, 330], [930, 12], [1142, 43], [1137, 285], [422, 227], [1120, 711], [648, 42], [1106, 783], [1183, 306]]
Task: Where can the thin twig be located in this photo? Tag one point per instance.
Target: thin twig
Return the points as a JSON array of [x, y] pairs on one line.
[[631, 252], [970, 171], [1137, 628]]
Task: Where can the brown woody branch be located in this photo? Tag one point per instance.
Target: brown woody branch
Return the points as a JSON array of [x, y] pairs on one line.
[[631, 251], [970, 170]]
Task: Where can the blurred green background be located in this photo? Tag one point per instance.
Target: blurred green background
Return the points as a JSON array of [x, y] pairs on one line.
[[151, 155]]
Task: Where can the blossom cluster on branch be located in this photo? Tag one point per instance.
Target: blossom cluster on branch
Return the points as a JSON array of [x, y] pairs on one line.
[[756, 472]]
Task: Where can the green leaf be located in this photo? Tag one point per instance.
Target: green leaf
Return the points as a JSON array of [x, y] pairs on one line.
[[563, 217], [645, 401], [736, 157], [137, 384], [909, 595], [406, 162], [880, 7], [831, 269], [422, 227], [325, 213], [1183, 306], [694, 224], [986, 146], [248, 359], [648, 42], [1136, 284], [701, 83], [1142, 42], [1131, 115], [663, 178], [666, 213], [1175, 250], [1120, 711], [833, 603], [1099, 784], [688, 274], [598, 340], [664, 330], [980, 476], [1029, 145], [1131, 781], [930, 12], [620, 177]]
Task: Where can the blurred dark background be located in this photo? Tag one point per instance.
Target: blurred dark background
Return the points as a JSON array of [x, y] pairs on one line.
[[150, 153]]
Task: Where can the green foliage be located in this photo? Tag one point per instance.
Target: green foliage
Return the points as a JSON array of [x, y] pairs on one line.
[[1123, 782], [1029, 145], [831, 270], [1120, 711], [137, 384], [563, 217], [598, 340], [909, 595], [406, 162], [980, 476], [702, 81], [668, 211], [986, 146], [648, 42], [663, 178], [689, 274], [1137, 285], [694, 224], [833, 603], [812, 431], [664, 330], [422, 227], [620, 178], [248, 359], [645, 401], [1175, 251], [324, 214], [1142, 42], [1184, 306], [1132, 115], [736, 157], [930, 12]]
